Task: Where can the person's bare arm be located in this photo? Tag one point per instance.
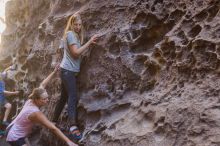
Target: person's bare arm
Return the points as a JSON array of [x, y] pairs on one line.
[[10, 93], [40, 118], [49, 77], [76, 52], [7, 69]]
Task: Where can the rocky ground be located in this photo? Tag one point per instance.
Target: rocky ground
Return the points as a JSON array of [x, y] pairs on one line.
[[152, 79]]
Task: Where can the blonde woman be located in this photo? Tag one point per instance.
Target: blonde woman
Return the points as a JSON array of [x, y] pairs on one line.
[[70, 67], [30, 114]]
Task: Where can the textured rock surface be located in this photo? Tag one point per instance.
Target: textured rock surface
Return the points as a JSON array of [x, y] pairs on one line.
[[152, 80]]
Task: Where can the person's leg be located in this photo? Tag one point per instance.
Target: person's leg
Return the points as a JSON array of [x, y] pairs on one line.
[[77, 97], [7, 111], [68, 90], [61, 103], [1, 111], [69, 81]]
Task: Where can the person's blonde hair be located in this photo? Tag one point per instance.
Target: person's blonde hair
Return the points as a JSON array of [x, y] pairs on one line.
[[69, 27], [36, 93]]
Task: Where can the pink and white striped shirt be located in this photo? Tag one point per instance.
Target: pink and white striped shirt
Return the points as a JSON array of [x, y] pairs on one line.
[[22, 126]]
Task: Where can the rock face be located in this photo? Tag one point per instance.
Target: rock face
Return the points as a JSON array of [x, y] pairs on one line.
[[152, 79]]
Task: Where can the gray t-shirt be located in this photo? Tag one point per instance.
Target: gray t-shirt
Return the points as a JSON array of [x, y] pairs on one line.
[[68, 62]]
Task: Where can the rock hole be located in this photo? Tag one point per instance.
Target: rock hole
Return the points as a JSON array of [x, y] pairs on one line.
[[93, 117], [139, 63], [115, 48], [140, 18], [212, 12], [195, 31], [176, 15], [153, 9], [149, 38], [183, 37], [201, 16]]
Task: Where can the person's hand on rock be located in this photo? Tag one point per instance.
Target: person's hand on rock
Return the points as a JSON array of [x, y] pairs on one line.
[[57, 68], [71, 144]]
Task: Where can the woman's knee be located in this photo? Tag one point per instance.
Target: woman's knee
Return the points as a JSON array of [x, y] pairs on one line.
[[8, 106]]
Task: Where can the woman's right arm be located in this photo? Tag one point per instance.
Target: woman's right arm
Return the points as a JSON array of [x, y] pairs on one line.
[[39, 117], [76, 52]]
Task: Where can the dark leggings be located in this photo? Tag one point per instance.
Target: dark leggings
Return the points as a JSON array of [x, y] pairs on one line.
[[19, 142], [68, 94]]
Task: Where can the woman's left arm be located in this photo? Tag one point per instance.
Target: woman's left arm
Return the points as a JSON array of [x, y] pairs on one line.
[[49, 77], [40, 118]]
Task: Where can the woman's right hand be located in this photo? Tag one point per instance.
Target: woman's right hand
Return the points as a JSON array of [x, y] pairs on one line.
[[57, 68], [70, 143], [94, 39]]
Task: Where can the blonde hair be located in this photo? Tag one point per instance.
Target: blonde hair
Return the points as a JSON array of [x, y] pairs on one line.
[[69, 27], [36, 93]]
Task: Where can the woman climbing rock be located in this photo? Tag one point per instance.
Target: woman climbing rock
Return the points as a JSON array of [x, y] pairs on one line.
[[30, 114], [70, 67]]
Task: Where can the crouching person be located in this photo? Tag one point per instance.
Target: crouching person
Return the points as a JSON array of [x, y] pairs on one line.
[[30, 114]]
